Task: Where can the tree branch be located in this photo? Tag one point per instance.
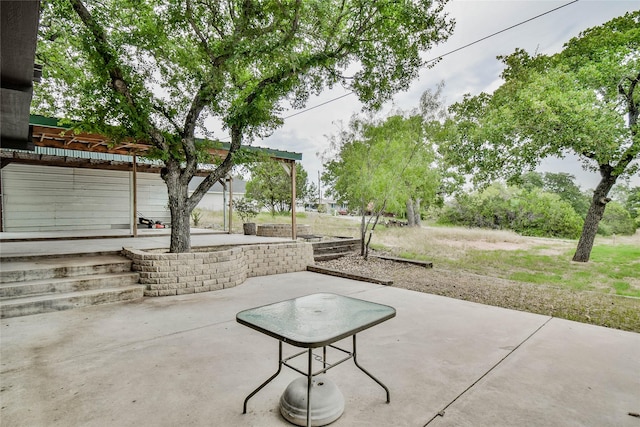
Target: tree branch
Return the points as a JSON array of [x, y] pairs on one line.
[[188, 136], [221, 170], [203, 39], [101, 45], [118, 82]]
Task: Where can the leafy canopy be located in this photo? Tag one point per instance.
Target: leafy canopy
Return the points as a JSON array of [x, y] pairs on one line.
[[270, 185], [241, 61], [571, 102], [381, 164], [156, 70]]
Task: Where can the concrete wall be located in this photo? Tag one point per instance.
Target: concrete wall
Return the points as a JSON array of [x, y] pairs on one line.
[[166, 274]]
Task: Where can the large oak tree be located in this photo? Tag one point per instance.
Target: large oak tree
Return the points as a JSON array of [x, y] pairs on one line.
[[583, 101], [154, 70]]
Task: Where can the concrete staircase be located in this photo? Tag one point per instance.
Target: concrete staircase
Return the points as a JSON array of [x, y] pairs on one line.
[[324, 251], [44, 284]]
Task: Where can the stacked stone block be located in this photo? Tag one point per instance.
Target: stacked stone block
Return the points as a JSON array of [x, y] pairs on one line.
[[282, 230], [166, 274]]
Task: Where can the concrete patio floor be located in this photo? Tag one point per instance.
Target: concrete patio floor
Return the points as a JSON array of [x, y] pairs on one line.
[[177, 361], [64, 243]]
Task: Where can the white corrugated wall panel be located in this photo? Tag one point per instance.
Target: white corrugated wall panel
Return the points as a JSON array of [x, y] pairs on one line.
[[47, 198], [152, 197]]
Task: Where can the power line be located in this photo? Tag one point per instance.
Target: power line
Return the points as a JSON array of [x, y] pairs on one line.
[[316, 106], [446, 54], [501, 31]]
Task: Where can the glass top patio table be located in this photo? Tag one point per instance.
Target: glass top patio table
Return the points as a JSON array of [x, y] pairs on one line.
[[315, 320]]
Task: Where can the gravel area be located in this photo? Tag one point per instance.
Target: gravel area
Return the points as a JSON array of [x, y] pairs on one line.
[[582, 306]]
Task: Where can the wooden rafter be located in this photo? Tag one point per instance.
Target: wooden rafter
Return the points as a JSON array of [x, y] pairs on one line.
[[57, 136]]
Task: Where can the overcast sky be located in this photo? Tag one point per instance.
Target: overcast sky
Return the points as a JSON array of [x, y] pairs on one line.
[[472, 70]]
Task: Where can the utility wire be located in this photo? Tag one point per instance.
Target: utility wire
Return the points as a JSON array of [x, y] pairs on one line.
[[447, 53], [501, 31], [316, 106], [442, 56]]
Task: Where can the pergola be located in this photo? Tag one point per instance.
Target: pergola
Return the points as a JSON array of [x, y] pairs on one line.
[[57, 144]]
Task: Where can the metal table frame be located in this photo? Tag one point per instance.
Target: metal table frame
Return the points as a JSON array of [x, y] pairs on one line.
[[382, 314]]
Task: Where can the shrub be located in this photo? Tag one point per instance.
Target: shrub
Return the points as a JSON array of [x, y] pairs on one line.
[[531, 213], [196, 215], [616, 220], [245, 209], [546, 215]]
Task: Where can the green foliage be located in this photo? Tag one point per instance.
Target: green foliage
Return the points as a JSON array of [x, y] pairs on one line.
[[546, 214], [196, 215], [270, 185], [616, 220], [629, 197], [561, 184], [246, 209], [155, 70], [380, 165], [632, 204], [530, 213], [241, 58], [583, 100]]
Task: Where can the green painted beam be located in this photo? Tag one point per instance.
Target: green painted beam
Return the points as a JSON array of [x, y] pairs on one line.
[[37, 120]]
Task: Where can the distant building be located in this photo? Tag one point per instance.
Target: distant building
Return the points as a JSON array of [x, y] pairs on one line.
[[217, 198]]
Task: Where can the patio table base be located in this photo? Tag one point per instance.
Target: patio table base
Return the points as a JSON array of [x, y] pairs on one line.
[[326, 403]]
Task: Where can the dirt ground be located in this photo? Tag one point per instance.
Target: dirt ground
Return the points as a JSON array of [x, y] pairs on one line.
[[582, 306]]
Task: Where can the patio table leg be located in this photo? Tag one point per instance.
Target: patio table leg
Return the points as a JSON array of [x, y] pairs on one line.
[[309, 380], [261, 386], [355, 360]]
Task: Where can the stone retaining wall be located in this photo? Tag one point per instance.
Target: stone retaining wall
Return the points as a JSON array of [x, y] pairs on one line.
[[282, 230], [166, 274]]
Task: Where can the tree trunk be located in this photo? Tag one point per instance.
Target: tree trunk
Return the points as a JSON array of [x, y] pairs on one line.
[[417, 217], [594, 215], [373, 227], [410, 214], [363, 230], [413, 213], [179, 208]]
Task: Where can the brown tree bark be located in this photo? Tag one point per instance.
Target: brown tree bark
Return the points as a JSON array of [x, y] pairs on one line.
[[180, 213], [594, 215], [413, 213], [410, 214]]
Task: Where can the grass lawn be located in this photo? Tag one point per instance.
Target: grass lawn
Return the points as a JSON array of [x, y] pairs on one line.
[[496, 267]]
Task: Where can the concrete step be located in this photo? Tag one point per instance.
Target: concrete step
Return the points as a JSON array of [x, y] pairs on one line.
[[65, 301], [49, 268], [336, 243], [67, 284], [324, 251], [45, 284]]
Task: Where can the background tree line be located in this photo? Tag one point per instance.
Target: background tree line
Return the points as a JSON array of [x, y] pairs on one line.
[[582, 101]]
